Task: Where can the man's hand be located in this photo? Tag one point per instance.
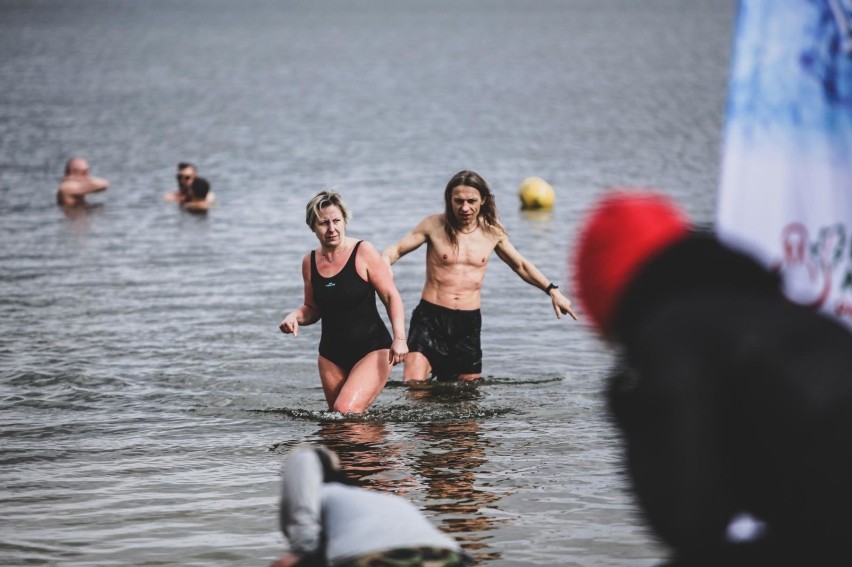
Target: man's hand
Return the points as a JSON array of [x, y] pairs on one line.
[[561, 304]]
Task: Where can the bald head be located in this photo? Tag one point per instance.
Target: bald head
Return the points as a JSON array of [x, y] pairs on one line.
[[78, 183], [77, 166]]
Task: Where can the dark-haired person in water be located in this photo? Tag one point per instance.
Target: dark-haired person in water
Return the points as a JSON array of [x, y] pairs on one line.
[[444, 336], [193, 192], [341, 280]]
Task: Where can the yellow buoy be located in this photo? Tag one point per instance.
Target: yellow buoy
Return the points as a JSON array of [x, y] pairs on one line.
[[536, 193]]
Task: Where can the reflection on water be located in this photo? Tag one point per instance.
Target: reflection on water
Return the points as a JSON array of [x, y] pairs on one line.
[[452, 451], [543, 216], [431, 393], [365, 454], [448, 467]]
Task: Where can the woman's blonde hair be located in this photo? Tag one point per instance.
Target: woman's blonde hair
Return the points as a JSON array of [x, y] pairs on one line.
[[322, 200]]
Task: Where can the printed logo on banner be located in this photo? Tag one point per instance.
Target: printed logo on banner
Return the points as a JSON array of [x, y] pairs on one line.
[[812, 268], [786, 186]]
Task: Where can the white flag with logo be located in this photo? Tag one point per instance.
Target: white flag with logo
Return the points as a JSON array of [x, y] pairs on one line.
[[786, 183]]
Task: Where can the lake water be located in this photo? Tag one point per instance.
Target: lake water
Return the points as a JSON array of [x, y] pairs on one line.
[[146, 395]]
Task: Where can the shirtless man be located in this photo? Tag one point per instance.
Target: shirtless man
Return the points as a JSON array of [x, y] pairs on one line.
[[77, 183], [193, 192], [444, 335]]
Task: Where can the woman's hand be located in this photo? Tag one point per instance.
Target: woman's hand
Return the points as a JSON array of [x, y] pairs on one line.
[[290, 325], [398, 350]]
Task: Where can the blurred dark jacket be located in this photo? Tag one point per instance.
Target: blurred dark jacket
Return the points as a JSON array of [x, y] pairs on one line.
[[733, 400]]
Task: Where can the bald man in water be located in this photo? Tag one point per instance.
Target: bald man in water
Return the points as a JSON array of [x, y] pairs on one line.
[[77, 183], [444, 335]]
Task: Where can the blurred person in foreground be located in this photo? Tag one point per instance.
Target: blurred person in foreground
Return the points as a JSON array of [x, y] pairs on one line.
[[327, 521], [735, 404], [341, 280], [193, 192], [444, 336], [77, 183]]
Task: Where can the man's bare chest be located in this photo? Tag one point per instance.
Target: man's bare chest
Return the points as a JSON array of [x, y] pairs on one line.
[[469, 252]]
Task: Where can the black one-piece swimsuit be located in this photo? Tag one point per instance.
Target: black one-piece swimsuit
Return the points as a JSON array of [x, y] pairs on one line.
[[351, 325]]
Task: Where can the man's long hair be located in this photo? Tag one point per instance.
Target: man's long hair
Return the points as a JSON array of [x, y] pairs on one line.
[[487, 213]]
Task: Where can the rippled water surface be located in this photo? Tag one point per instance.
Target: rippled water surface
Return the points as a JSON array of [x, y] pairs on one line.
[[146, 395]]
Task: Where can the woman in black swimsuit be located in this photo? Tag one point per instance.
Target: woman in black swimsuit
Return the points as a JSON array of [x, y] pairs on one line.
[[342, 279]]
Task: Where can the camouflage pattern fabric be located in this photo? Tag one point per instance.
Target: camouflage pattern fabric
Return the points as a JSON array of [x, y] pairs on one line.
[[408, 557]]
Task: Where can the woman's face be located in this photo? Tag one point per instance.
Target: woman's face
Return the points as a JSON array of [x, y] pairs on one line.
[[330, 227]]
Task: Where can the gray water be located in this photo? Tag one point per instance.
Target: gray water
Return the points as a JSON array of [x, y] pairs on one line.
[[146, 395]]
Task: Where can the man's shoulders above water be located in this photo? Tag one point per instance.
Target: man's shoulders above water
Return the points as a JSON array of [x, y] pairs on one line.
[[72, 190], [431, 223]]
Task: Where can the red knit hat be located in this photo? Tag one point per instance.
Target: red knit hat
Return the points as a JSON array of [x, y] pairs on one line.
[[624, 230]]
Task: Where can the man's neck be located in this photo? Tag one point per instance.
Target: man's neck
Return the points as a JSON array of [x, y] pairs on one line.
[[469, 228]]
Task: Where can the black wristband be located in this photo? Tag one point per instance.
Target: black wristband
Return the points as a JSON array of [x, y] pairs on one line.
[[551, 286]]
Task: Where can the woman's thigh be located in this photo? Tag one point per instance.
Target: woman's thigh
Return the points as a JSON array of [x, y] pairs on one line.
[[332, 377], [364, 383]]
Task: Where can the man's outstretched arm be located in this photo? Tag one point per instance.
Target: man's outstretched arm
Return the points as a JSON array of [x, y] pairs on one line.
[[410, 242], [533, 276], [80, 185]]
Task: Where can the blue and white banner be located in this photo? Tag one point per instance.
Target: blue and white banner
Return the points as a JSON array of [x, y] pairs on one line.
[[786, 182]]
